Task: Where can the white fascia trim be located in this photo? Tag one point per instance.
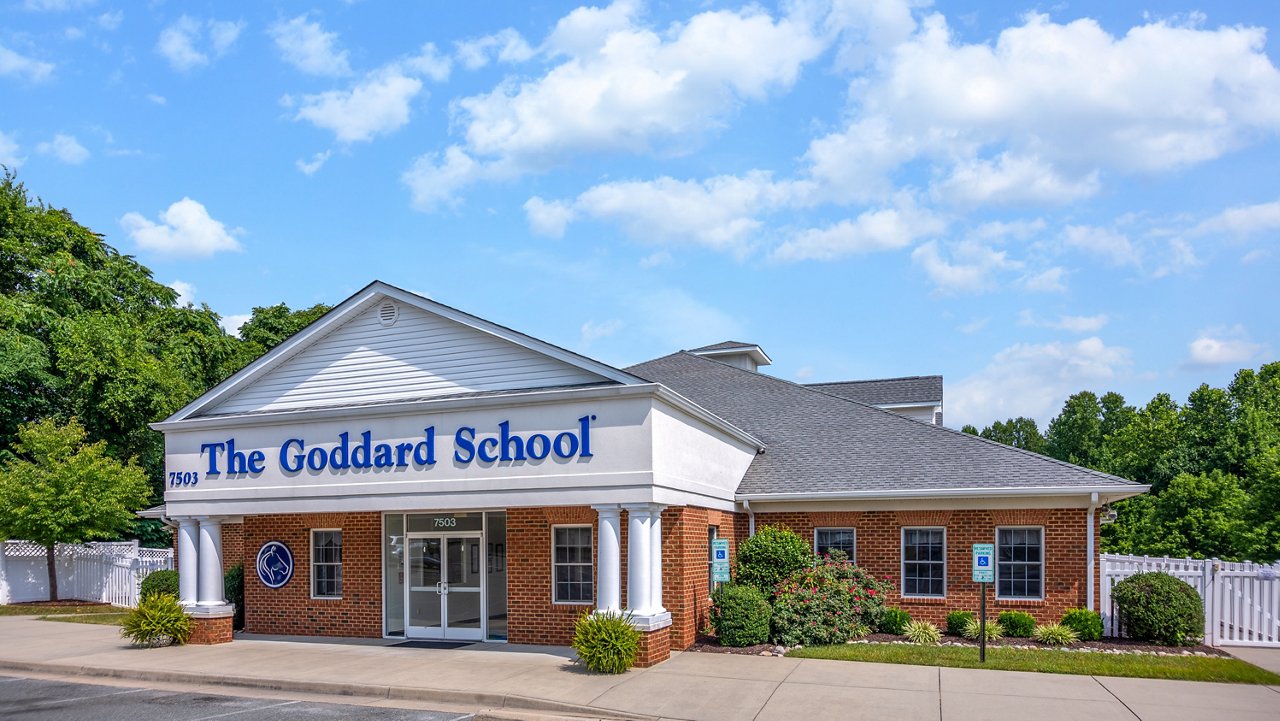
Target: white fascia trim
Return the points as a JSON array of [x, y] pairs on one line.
[[920, 404], [1111, 492], [354, 304], [398, 408], [756, 352]]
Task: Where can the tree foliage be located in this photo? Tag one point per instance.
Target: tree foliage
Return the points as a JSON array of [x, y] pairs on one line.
[[60, 489]]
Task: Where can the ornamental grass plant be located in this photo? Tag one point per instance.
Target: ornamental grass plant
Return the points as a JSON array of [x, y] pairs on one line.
[[922, 633], [1054, 634], [973, 629], [957, 621], [606, 642], [158, 620]]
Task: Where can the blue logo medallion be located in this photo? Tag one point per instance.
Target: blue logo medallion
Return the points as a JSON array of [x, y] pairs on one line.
[[275, 564]]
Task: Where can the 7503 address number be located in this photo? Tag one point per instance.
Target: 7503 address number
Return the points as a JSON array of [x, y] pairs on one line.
[[183, 478]]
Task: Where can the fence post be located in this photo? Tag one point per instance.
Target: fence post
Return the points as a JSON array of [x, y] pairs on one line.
[[1208, 595]]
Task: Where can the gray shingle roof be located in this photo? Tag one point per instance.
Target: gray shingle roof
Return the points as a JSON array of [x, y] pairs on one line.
[[817, 442], [887, 391]]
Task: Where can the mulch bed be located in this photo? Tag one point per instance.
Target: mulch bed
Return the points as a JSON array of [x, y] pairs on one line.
[[1124, 645]]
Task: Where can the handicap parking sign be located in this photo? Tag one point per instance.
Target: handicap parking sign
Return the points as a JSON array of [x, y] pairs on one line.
[[983, 553], [984, 561]]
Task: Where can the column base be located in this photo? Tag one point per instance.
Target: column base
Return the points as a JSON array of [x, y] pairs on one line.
[[651, 621], [655, 647], [211, 624]]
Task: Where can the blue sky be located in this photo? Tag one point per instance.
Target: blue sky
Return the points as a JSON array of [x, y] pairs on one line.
[[1028, 199]]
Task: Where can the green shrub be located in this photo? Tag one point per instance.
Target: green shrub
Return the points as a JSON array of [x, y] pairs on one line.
[[233, 588], [894, 620], [606, 642], [740, 615], [1055, 634], [923, 633], [770, 556], [160, 582], [957, 620], [1158, 607], [158, 620], [830, 602], [1017, 624], [973, 628], [1087, 624]]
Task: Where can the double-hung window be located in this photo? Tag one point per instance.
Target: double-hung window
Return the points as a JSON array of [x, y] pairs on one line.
[[1020, 563], [326, 563], [826, 540], [924, 562], [571, 564]]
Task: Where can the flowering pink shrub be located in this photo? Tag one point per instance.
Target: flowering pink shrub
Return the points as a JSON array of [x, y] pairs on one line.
[[832, 602]]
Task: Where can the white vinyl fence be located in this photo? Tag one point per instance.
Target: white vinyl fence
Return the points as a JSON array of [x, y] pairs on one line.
[[105, 572], [1241, 600]]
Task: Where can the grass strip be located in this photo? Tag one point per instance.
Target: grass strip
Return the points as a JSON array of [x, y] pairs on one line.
[[35, 609], [114, 618], [1183, 668]]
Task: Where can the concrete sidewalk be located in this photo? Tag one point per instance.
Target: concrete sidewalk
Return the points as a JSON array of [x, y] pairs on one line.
[[525, 680]]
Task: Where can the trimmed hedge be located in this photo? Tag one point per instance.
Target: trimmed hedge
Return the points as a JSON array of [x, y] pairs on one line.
[[159, 582], [957, 621], [233, 587], [1017, 624], [894, 621], [1158, 607], [740, 615], [1087, 624], [770, 556]]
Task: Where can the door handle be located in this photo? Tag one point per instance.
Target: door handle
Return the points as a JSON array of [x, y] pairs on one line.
[[438, 592]]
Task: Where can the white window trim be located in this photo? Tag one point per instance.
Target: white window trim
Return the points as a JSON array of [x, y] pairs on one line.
[[852, 559], [902, 562], [311, 560], [592, 565], [1043, 555]]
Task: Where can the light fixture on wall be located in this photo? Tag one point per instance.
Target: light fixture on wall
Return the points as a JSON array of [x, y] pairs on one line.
[[1108, 514]]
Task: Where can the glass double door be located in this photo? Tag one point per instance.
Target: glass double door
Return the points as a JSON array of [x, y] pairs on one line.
[[445, 589]]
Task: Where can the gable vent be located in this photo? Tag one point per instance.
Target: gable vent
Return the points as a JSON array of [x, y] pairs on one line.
[[387, 314]]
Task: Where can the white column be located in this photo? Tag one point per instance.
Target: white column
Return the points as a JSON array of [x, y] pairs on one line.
[[188, 560], [210, 589], [639, 569], [655, 561], [609, 560]]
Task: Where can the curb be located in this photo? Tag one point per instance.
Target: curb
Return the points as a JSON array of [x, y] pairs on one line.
[[496, 706]]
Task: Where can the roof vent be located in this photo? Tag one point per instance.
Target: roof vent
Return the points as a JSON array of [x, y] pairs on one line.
[[387, 314]]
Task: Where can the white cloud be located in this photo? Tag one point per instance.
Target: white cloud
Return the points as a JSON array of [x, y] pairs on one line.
[[872, 231], [376, 106], [432, 180], [1243, 220], [309, 48], [654, 260], [1071, 323], [73, 33], [1221, 346], [593, 331], [676, 319], [1047, 281], [186, 292], [111, 19], [232, 323], [65, 148], [1068, 98], [55, 5], [1012, 180], [21, 66], [1033, 380], [428, 63], [157, 99], [185, 230], [9, 151], [309, 167], [623, 87], [974, 326], [1252, 256], [189, 43], [506, 46], [548, 218], [1177, 257], [1104, 243], [971, 267]]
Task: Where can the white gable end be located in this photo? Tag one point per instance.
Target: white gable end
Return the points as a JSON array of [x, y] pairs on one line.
[[419, 355]]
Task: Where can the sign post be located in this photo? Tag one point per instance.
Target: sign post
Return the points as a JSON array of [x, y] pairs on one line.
[[720, 560], [984, 572]]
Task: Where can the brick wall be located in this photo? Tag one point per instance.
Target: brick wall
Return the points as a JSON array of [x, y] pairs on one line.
[[532, 617], [879, 551], [290, 609], [685, 556], [233, 547]]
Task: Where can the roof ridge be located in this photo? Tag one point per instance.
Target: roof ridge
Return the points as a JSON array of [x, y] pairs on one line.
[[872, 380], [900, 417]]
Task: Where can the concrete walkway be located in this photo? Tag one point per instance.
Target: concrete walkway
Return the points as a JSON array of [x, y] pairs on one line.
[[526, 681]]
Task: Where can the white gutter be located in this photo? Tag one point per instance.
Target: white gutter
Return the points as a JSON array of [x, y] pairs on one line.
[[1113, 492], [751, 518], [1093, 508]]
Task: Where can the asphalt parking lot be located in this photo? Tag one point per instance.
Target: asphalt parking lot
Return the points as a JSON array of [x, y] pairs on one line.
[[26, 699]]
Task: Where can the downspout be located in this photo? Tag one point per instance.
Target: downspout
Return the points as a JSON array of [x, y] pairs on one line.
[[1093, 509], [751, 518]]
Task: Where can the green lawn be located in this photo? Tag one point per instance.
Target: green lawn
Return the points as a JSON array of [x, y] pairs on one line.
[[1186, 668], [114, 618], [38, 609]]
